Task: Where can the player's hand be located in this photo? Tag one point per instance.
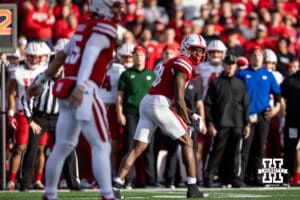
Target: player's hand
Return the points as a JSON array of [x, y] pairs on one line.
[[204, 128], [75, 99], [122, 119], [34, 91], [36, 129], [270, 113], [212, 130], [12, 122], [247, 131]]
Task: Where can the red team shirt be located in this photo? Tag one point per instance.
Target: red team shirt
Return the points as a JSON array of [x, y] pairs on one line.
[[85, 29], [164, 83]]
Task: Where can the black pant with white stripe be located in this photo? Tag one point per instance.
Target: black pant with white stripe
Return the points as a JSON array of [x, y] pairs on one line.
[[70, 169]]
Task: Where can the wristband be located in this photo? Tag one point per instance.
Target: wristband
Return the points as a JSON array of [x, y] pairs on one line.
[[10, 113]]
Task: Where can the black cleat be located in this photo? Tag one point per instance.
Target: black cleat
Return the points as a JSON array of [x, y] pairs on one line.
[[117, 190], [117, 193], [193, 192]]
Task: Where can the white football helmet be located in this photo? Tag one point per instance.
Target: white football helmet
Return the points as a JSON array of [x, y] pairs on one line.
[[110, 9], [269, 56], [193, 40], [126, 50], [60, 44], [33, 54], [216, 45]]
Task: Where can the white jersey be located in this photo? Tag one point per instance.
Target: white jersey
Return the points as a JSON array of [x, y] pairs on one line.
[[208, 73], [109, 89], [279, 78], [24, 78]]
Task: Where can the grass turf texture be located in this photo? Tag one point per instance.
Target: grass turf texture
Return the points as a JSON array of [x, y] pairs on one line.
[[167, 194]]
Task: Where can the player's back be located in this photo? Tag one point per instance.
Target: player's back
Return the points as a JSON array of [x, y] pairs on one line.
[[164, 82], [85, 29]]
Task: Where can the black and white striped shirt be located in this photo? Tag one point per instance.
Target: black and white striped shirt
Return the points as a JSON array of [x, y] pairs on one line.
[[46, 104]]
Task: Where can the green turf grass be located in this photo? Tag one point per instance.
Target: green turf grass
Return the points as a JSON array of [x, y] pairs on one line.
[[168, 194]]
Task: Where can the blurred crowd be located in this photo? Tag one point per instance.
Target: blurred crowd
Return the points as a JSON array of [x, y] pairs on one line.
[[159, 26]]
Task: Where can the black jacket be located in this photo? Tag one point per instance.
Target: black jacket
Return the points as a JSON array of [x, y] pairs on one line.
[[227, 103], [290, 90]]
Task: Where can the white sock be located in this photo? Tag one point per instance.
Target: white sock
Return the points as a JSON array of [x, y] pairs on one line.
[[101, 157], [54, 167], [191, 180], [118, 180]]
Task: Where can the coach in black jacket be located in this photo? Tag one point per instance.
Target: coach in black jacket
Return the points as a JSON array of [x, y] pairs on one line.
[[227, 118]]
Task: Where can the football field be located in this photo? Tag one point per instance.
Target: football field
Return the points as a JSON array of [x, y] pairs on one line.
[[168, 194]]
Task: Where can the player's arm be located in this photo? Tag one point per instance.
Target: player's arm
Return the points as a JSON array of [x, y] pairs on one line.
[[92, 50], [180, 82], [119, 108], [94, 46], [56, 64], [12, 94]]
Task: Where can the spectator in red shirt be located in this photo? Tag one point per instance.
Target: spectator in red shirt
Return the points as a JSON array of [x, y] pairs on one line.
[[146, 41], [260, 39], [66, 25], [38, 21], [58, 9]]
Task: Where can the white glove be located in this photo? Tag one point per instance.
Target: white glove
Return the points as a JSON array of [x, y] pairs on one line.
[[198, 120], [298, 145]]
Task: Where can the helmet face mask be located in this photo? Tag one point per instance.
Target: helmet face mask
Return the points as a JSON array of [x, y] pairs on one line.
[[270, 59], [33, 55], [125, 54], [216, 51], [193, 46]]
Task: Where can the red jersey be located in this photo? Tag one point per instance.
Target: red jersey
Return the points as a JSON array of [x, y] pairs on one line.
[[83, 32], [164, 83]]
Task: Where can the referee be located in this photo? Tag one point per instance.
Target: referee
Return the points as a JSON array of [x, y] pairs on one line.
[[42, 114]]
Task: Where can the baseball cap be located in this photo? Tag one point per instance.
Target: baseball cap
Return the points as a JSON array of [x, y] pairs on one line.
[[255, 48], [139, 48], [241, 60], [230, 59], [130, 1]]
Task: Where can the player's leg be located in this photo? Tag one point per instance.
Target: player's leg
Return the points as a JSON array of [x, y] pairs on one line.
[[173, 125], [21, 138], [97, 134], [40, 162], [67, 133]]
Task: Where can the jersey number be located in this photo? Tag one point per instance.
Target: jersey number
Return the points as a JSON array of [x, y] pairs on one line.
[[6, 22], [75, 50], [159, 73], [27, 82]]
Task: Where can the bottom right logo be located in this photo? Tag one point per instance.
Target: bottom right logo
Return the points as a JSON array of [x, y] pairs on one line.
[[272, 170]]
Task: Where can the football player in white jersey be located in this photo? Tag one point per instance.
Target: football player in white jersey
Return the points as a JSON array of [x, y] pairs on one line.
[[21, 78], [86, 59], [109, 91], [209, 70], [274, 148]]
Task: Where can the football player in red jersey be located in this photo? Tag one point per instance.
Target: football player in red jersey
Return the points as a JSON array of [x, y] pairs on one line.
[[85, 59], [164, 107]]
